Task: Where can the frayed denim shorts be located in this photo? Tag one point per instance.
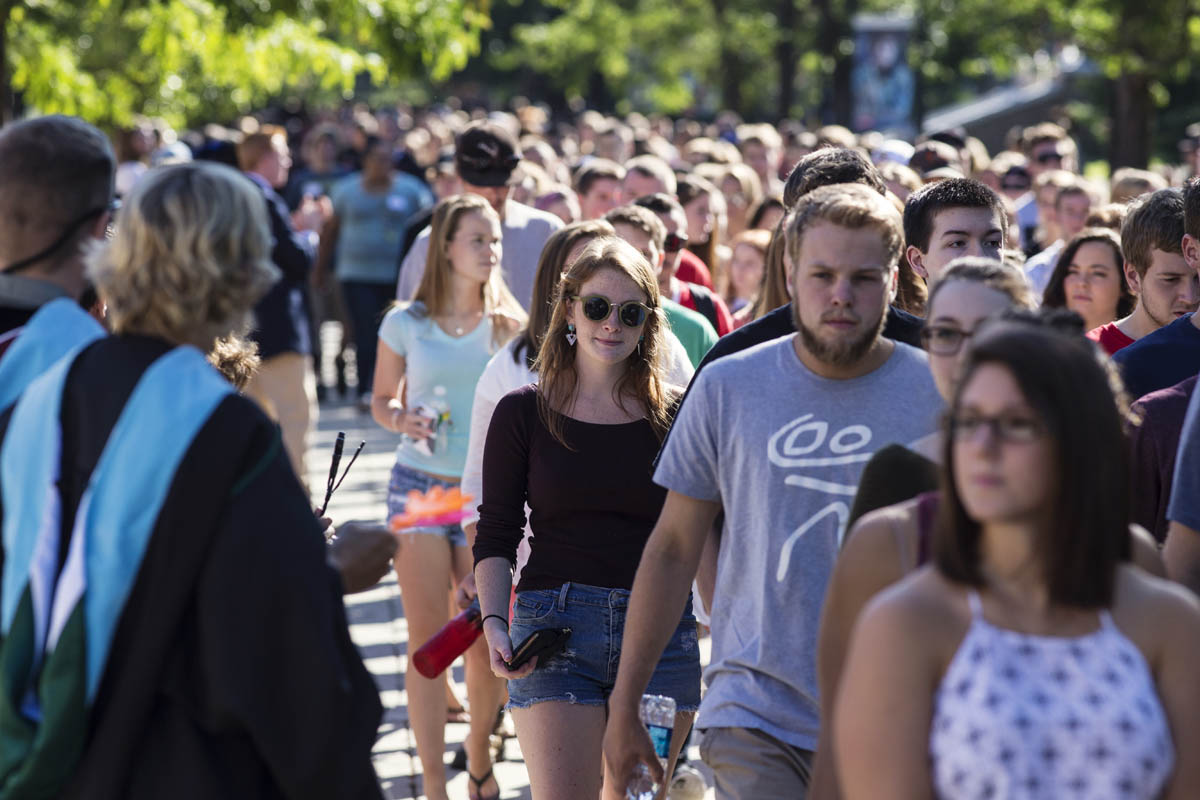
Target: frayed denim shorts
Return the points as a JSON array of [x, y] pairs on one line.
[[404, 480], [585, 671]]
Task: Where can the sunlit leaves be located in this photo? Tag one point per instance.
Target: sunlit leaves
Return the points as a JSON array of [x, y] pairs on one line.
[[192, 61]]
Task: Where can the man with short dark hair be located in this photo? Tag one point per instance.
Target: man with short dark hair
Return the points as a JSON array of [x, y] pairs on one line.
[[598, 186], [1047, 147], [56, 196], [485, 156], [949, 219], [776, 437], [1171, 353], [648, 174], [689, 295], [1152, 238]]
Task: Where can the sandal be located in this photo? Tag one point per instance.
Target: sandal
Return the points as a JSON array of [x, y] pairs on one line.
[[478, 784]]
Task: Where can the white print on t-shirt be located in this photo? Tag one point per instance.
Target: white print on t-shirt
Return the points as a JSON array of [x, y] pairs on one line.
[[792, 445]]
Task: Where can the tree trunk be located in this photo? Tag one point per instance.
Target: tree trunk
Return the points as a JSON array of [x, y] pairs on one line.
[[732, 66], [833, 28], [1133, 115], [785, 57]]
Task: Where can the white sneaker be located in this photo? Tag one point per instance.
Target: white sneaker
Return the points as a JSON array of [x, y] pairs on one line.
[[688, 784]]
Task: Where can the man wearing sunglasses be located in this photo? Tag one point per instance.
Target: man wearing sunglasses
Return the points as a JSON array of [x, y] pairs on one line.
[[56, 184], [485, 156], [1047, 147], [689, 295]]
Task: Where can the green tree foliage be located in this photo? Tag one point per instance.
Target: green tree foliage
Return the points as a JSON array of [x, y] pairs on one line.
[[193, 61]]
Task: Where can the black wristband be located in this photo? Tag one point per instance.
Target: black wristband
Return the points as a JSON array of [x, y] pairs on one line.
[[497, 616]]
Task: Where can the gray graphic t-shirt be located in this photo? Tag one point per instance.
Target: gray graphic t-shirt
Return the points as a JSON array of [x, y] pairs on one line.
[[782, 450]]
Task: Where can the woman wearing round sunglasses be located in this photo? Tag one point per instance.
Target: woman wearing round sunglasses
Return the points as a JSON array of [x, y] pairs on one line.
[[1030, 659], [579, 449], [886, 544]]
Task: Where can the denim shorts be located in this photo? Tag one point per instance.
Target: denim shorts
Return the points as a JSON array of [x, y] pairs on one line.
[[404, 480], [585, 671]]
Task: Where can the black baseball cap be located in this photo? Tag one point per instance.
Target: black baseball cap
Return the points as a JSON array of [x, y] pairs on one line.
[[486, 154]]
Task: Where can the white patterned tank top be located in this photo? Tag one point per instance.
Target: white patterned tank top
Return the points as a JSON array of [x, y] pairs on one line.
[[1025, 717]]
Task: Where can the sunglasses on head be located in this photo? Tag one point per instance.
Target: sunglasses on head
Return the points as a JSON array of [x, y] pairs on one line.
[[632, 314], [674, 243]]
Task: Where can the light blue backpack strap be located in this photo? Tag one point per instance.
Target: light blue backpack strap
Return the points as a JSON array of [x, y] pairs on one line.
[[58, 328], [29, 469], [171, 403]]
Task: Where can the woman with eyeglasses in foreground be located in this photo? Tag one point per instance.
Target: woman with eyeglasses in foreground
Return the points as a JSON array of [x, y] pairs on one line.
[[889, 542], [1030, 659], [579, 449]]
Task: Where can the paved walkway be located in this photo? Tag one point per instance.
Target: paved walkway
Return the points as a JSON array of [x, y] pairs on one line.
[[376, 617]]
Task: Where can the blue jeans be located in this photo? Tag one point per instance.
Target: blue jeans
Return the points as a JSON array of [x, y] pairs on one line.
[[366, 304], [585, 671]]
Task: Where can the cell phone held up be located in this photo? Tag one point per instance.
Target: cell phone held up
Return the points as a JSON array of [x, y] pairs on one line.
[[545, 643]]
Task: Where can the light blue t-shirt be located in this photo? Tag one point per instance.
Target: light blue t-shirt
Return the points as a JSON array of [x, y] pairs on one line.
[[782, 450], [372, 225], [441, 371]]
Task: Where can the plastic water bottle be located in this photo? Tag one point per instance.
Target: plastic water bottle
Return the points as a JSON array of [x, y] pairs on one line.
[[658, 715]]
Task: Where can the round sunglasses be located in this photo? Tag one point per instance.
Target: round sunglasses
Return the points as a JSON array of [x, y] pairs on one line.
[[632, 314]]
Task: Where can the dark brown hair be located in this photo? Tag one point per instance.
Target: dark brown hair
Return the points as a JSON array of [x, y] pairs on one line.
[[1055, 295], [826, 167], [1079, 402], [1191, 208], [1154, 221]]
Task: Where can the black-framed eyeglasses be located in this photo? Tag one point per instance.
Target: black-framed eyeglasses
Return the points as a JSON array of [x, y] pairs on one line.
[[1046, 158], [1006, 427], [674, 243], [944, 340], [110, 207], [597, 308]]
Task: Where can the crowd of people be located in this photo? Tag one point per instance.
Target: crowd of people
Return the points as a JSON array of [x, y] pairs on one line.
[[908, 429]]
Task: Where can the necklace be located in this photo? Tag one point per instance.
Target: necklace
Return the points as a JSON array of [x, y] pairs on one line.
[[458, 331]]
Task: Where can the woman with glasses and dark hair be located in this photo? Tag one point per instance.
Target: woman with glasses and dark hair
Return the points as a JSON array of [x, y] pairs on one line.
[[1089, 279], [578, 448], [1030, 659]]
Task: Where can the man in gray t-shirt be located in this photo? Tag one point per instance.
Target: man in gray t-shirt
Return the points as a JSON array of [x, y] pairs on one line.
[[777, 437]]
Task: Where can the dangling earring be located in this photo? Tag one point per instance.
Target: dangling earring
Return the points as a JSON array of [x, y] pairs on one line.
[[640, 340], [571, 334]]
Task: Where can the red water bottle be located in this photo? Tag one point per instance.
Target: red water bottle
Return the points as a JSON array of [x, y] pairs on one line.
[[449, 643]]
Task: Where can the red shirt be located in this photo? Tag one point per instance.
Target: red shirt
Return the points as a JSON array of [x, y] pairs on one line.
[[692, 270], [724, 318], [1110, 337]]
